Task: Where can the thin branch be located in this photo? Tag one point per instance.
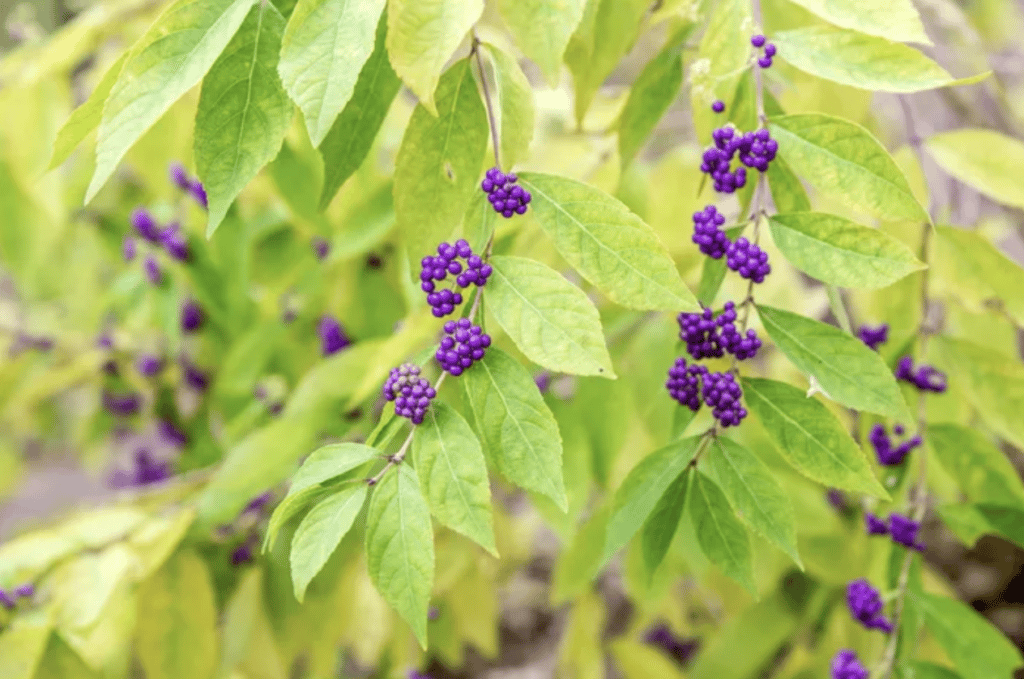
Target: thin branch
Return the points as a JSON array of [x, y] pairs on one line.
[[475, 50]]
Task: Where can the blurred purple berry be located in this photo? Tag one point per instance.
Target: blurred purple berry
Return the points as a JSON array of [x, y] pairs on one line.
[[195, 377], [179, 176], [926, 378], [152, 269], [865, 604], [145, 225], [175, 243], [121, 405], [198, 193], [904, 531], [875, 525], [681, 649], [6, 600], [241, 554], [873, 337], [321, 248], [764, 62], [257, 504], [26, 591], [883, 445], [149, 365], [332, 337], [129, 248], [543, 381], [192, 316], [845, 665], [837, 500], [718, 106], [170, 433], [148, 470], [770, 50]]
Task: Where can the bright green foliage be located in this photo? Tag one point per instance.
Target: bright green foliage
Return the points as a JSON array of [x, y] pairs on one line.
[[893, 19], [551, 320], [847, 370], [453, 474], [515, 107], [984, 159], [842, 159], [638, 495], [171, 58], [721, 536], [840, 252], [542, 30], [661, 526], [351, 137], [243, 112], [581, 560], [605, 34], [323, 49], [22, 646], [860, 60], [177, 628], [787, 191], [440, 162], [320, 532], [978, 650], [809, 437], [759, 630], [400, 547], [753, 492], [972, 270], [519, 432], [925, 670], [422, 34], [609, 245], [86, 118], [655, 89], [723, 52], [981, 469]]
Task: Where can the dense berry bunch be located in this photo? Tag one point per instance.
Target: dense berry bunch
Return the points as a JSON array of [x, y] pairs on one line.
[[722, 393], [707, 232], [700, 332], [740, 346], [865, 605], [410, 392], [889, 455], [684, 383], [925, 378], [845, 665], [717, 161], [874, 336], [748, 260], [435, 270], [904, 530], [506, 197], [769, 50], [463, 344]]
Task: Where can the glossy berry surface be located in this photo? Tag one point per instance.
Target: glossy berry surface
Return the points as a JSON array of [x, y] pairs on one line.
[[708, 234], [865, 604], [462, 346], [700, 332], [748, 260], [722, 393], [742, 346], [410, 392], [845, 665], [506, 197], [435, 270], [757, 40], [684, 383], [755, 150]]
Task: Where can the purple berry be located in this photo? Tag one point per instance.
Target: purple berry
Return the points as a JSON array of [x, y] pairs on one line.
[[462, 345], [150, 365], [26, 591], [172, 434], [748, 260], [145, 225], [410, 392], [684, 383], [321, 248], [192, 317], [875, 525], [769, 50], [506, 198], [718, 106], [845, 665], [174, 243], [764, 62], [195, 377], [152, 269], [198, 193], [873, 337], [121, 405], [179, 176], [332, 337], [865, 604], [904, 531], [722, 393], [128, 248], [926, 378], [757, 40], [707, 232], [700, 332]]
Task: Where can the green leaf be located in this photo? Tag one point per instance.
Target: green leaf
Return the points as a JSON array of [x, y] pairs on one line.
[[422, 34], [984, 159], [1007, 522], [893, 19], [579, 563], [788, 193], [661, 526], [166, 62], [848, 371], [439, 162], [994, 384], [351, 137], [977, 649], [652, 93], [927, 670], [641, 490], [87, 116], [400, 547], [552, 321], [982, 471], [974, 271], [453, 474], [810, 437], [323, 49], [844, 160], [515, 107], [723, 59], [22, 644], [754, 493], [609, 245], [289, 508], [243, 113], [518, 429], [542, 30], [863, 61], [840, 252], [604, 35], [721, 536], [176, 637], [321, 531]]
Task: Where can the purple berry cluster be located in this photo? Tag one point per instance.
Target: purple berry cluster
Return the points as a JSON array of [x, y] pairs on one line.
[[708, 234], [435, 270], [748, 260], [888, 455], [192, 316], [10, 599], [145, 470], [873, 337], [684, 383], [681, 648], [925, 378], [754, 149], [462, 345], [709, 337], [845, 665], [506, 197], [410, 392], [722, 393], [903, 529], [865, 605], [768, 50]]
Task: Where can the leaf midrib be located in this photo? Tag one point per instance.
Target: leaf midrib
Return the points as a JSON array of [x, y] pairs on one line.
[[469, 507]]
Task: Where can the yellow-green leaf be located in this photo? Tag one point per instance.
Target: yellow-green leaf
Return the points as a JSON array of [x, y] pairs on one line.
[[893, 19], [542, 29], [987, 160]]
